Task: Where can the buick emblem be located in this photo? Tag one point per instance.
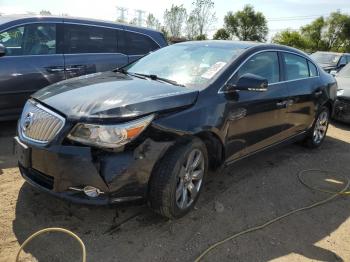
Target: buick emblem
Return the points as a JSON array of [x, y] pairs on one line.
[[28, 120]]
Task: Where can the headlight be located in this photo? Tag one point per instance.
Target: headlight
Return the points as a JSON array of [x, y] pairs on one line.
[[109, 136], [340, 92]]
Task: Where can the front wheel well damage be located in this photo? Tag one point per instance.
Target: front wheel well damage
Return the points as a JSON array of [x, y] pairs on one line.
[[214, 147]]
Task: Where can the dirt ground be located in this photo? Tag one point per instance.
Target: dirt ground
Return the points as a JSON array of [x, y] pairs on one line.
[[245, 194]]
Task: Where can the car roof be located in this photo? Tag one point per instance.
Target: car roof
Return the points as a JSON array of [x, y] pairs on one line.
[[11, 18], [244, 45], [224, 43]]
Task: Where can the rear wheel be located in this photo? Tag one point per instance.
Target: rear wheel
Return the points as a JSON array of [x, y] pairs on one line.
[[178, 179], [319, 129]]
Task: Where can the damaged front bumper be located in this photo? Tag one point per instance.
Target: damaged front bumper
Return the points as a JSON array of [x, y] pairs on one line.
[[341, 110], [64, 170]]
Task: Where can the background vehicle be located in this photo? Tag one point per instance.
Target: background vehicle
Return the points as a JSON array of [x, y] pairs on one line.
[[44, 50], [331, 61], [152, 129], [342, 105]]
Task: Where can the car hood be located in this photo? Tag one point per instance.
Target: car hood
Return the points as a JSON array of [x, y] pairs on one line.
[[113, 95], [344, 83], [328, 67]]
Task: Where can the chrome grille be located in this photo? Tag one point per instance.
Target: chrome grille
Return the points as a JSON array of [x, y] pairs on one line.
[[39, 124]]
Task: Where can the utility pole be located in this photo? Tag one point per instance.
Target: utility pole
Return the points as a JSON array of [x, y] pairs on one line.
[[122, 13], [139, 14]]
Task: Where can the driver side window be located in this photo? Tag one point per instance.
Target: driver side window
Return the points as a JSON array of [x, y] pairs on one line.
[[31, 39], [263, 64], [12, 40]]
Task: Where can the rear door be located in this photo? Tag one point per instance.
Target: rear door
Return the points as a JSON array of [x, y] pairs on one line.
[[33, 60], [302, 80], [257, 119], [137, 44], [90, 49]]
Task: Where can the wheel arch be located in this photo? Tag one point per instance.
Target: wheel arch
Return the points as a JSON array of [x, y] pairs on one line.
[[215, 148]]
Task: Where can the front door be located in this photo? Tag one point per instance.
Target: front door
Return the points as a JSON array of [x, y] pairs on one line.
[[257, 119], [31, 62]]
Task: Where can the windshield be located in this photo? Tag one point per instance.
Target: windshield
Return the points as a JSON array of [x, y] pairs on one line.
[[326, 58], [191, 65], [345, 72]]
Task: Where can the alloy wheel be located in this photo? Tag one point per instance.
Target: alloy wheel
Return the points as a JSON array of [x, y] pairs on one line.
[[320, 127], [189, 179]]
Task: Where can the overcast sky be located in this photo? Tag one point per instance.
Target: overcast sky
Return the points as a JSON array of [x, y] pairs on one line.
[[281, 14]]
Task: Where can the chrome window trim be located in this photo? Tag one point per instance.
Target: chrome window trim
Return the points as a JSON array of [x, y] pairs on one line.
[[24, 137], [77, 23], [279, 82]]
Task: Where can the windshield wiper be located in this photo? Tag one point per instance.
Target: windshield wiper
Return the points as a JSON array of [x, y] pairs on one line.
[[157, 78], [123, 71]]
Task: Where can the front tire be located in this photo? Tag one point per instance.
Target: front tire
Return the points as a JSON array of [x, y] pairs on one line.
[[178, 179], [318, 132]]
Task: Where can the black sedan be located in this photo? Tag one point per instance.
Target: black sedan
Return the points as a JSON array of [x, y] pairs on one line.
[[152, 129], [342, 104]]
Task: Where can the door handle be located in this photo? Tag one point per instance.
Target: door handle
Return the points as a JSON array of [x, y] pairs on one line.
[[55, 69]]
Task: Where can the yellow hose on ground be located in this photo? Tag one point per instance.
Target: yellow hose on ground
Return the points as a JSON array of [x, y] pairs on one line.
[[54, 229], [300, 175]]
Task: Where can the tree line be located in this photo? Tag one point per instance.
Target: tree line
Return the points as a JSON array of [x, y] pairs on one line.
[[331, 33]]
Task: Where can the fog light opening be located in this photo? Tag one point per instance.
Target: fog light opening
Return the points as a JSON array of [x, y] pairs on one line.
[[91, 191]]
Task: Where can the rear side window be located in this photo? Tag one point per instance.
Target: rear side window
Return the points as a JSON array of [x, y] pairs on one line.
[[89, 39], [138, 44], [263, 64], [312, 69], [295, 67], [32, 39]]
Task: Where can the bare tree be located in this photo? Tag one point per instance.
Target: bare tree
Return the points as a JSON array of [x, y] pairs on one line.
[[174, 19], [203, 15], [153, 22], [191, 27]]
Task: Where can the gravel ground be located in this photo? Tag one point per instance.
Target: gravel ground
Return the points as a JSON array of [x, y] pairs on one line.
[[243, 195]]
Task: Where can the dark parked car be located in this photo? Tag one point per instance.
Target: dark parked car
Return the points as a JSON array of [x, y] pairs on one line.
[[331, 61], [44, 50], [152, 129], [342, 105]]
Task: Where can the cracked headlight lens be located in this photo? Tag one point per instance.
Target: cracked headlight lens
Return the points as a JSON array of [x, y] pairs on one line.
[[109, 136]]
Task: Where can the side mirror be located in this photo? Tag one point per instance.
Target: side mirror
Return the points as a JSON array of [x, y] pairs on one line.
[[2, 50], [250, 82]]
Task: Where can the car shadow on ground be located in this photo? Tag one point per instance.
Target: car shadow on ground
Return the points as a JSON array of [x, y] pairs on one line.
[[240, 196]]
